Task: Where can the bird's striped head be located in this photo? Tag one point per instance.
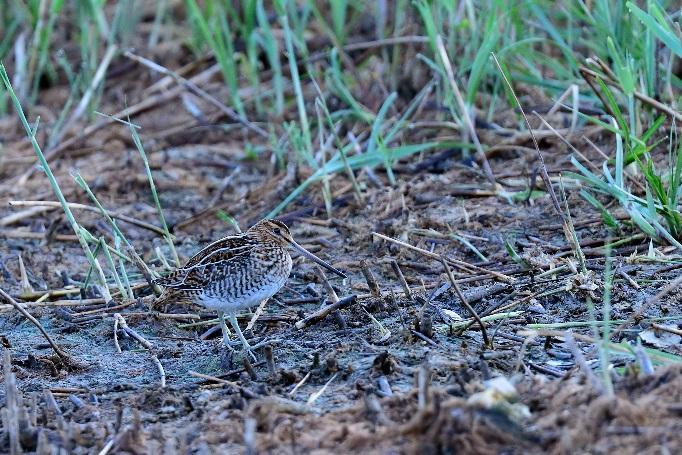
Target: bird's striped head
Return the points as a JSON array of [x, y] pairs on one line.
[[272, 230], [277, 231]]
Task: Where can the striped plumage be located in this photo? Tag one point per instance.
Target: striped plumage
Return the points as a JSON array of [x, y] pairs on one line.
[[229, 272], [236, 272]]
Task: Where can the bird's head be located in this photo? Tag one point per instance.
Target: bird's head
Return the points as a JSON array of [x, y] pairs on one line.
[[277, 231]]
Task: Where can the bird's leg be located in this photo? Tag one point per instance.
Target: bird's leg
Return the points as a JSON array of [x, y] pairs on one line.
[[235, 324], [223, 327]]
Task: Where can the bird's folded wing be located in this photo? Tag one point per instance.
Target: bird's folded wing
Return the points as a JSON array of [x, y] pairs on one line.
[[221, 250], [197, 274]]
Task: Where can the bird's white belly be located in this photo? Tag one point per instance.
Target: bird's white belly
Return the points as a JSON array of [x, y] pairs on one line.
[[250, 299]]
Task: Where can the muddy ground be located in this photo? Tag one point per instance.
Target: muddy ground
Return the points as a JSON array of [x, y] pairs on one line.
[[388, 373]]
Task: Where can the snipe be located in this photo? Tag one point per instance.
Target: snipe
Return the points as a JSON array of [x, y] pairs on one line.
[[237, 272]]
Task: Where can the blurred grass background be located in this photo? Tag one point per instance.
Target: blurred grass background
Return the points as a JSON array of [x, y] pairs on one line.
[[541, 43]]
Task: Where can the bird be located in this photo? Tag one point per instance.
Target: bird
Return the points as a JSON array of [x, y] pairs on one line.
[[237, 272]]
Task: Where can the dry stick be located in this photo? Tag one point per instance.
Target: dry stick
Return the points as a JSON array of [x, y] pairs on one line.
[[331, 293], [56, 303], [423, 382], [561, 138], [401, 278], [157, 315], [509, 306], [192, 87], [464, 301], [77, 206], [11, 406], [80, 109], [604, 67], [22, 215], [517, 138], [142, 106], [214, 379], [638, 314], [163, 83], [300, 383], [314, 396], [415, 39], [107, 447], [248, 393], [143, 341], [588, 74], [21, 234], [327, 285], [582, 364], [603, 155], [667, 329], [77, 113], [423, 337], [68, 390], [100, 310], [600, 95], [628, 278], [49, 293], [569, 231], [60, 353], [26, 288], [573, 90], [324, 312], [521, 353], [118, 346], [455, 262], [142, 267], [270, 360], [249, 368], [465, 113], [543, 168], [42, 296], [223, 186], [371, 280]]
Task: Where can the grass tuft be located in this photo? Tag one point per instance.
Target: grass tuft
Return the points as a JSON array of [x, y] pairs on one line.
[[77, 229]]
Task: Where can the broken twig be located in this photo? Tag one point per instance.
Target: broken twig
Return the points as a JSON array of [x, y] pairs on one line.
[[60, 353], [326, 311], [144, 342], [464, 301]]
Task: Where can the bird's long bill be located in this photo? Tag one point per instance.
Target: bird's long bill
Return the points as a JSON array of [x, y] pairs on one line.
[[312, 257]]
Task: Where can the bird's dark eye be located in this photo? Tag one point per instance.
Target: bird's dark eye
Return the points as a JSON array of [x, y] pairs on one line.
[[277, 231]]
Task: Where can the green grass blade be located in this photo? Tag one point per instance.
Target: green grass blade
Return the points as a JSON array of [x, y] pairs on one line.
[[166, 232], [606, 215], [53, 183], [295, 77], [358, 161], [492, 35], [658, 27], [374, 138]]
